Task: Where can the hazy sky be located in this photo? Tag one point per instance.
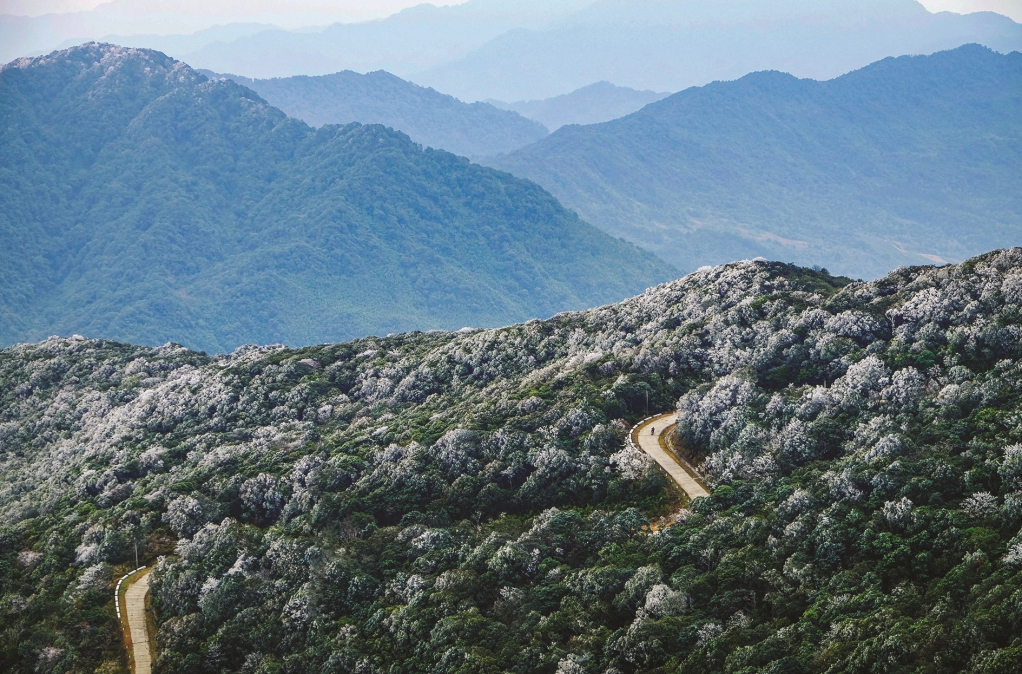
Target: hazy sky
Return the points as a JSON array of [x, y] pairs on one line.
[[355, 9], [1012, 8]]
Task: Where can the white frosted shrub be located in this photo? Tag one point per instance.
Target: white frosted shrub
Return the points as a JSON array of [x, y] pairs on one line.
[[1014, 556], [853, 324], [530, 405], [639, 585], [980, 505], [457, 452], [510, 560], [27, 559], [905, 388], [572, 664], [305, 471], [843, 485], [796, 504], [184, 516], [662, 601], [898, 514], [577, 421], [719, 410], [888, 447], [1011, 289], [630, 462], [432, 539], [726, 465], [708, 632], [1011, 509], [795, 443], [866, 377], [151, 460], [1010, 469], [262, 498]]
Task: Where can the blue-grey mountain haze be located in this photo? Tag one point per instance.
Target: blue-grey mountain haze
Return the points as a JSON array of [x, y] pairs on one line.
[[913, 160], [599, 102], [427, 116]]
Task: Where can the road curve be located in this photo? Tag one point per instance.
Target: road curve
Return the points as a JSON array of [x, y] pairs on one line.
[[134, 598], [647, 436]]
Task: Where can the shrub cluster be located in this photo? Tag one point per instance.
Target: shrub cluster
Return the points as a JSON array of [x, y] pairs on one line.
[[465, 502]]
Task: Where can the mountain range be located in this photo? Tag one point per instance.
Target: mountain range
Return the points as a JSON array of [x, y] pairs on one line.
[[416, 38], [911, 160], [427, 116], [141, 201], [670, 45], [599, 102], [22, 36], [533, 50]]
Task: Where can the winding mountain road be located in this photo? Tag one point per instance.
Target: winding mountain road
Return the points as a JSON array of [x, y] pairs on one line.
[[647, 436], [134, 600]]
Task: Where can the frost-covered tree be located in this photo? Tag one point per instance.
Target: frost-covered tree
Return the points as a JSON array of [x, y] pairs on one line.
[[468, 501]]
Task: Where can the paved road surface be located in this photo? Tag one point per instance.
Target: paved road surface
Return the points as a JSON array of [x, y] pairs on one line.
[[135, 600], [650, 443]]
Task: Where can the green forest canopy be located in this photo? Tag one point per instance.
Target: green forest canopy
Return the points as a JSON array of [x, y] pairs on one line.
[[140, 201]]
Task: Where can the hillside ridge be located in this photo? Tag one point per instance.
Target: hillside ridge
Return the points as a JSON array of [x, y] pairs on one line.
[[152, 204], [860, 441], [894, 164], [427, 116]]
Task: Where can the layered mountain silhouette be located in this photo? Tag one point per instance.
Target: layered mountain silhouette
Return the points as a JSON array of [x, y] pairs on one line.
[[912, 160], [599, 102], [427, 116], [166, 30], [531, 50], [141, 201], [405, 43], [669, 45]]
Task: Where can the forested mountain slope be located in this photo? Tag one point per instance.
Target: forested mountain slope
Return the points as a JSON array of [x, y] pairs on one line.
[[670, 45], [599, 102], [910, 160], [140, 201], [464, 502], [427, 116]]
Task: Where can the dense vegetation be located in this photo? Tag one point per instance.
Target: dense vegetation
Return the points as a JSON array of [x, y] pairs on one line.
[[140, 201], [907, 159], [464, 503], [427, 116], [599, 102]]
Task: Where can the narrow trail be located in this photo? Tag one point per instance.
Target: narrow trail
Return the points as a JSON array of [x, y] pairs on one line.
[[134, 600], [646, 435]]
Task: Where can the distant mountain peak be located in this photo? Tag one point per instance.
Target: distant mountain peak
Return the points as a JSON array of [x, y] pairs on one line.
[[95, 54], [670, 45], [892, 164], [429, 117], [152, 204], [598, 102]]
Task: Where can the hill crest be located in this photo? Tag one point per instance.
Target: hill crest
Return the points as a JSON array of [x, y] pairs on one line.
[[426, 115], [152, 204], [889, 165]]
